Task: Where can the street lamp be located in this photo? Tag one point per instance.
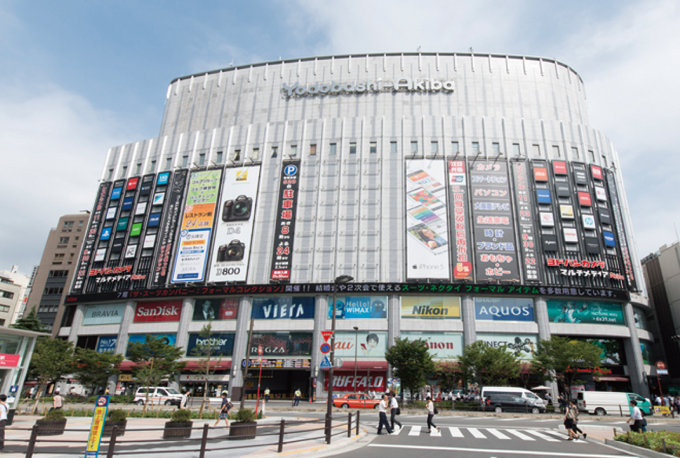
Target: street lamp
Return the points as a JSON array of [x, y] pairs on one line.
[[329, 402], [356, 348]]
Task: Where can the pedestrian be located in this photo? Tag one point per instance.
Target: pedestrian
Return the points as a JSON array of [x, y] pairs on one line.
[[431, 411], [3, 419], [296, 401], [569, 416], [636, 416], [383, 408], [574, 409], [657, 400], [224, 410], [548, 399], [394, 411], [57, 402], [266, 395]]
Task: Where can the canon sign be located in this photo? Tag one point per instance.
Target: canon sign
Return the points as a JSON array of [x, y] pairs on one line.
[[158, 311], [403, 84]]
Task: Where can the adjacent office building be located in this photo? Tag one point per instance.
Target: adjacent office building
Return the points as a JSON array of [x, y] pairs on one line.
[[13, 287]]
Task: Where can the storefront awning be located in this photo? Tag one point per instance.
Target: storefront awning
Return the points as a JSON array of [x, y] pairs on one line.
[[611, 378]]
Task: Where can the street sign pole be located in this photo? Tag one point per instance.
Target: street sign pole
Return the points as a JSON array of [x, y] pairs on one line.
[[259, 379]]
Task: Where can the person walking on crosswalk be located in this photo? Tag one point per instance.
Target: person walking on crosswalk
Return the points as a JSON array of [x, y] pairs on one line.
[[394, 411], [383, 408], [430, 415]]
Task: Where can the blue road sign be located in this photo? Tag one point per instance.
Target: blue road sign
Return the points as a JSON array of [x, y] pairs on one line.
[[325, 364]]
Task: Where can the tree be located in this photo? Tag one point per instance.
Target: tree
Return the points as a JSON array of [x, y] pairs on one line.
[[207, 364], [411, 361], [155, 361], [30, 322], [449, 374], [563, 359], [93, 369], [52, 359], [487, 365]]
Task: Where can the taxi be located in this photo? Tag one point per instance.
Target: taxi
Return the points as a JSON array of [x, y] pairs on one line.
[[356, 401]]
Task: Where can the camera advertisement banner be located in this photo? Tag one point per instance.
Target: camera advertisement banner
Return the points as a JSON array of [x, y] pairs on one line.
[[234, 228], [620, 230], [103, 314], [427, 246], [219, 344], [442, 345], [196, 228], [460, 221], [361, 307], [282, 343], [215, 309], [370, 344], [168, 229], [495, 250], [284, 233], [522, 345], [585, 312], [430, 307], [283, 308], [527, 230], [502, 309]]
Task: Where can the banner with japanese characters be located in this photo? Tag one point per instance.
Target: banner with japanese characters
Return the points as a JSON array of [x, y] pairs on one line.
[[427, 245], [284, 233], [196, 229], [494, 227], [459, 216], [528, 237], [361, 307], [87, 252], [583, 312], [620, 230], [234, 228]]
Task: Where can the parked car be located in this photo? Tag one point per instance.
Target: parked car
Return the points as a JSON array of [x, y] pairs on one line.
[[534, 403], [602, 402], [511, 403], [356, 401], [159, 395]]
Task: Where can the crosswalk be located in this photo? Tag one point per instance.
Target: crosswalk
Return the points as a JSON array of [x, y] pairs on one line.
[[506, 434]]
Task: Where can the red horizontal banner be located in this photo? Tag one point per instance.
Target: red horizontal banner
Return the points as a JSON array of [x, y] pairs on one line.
[[158, 311], [345, 381], [9, 360]]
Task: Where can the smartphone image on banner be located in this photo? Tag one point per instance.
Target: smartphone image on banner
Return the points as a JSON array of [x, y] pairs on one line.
[[425, 197], [424, 215], [429, 238], [423, 179]]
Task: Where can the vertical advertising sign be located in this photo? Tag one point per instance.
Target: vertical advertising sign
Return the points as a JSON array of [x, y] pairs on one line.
[[620, 230], [196, 228], [97, 428], [427, 247], [234, 228], [168, 228], [282, 257], [460, 227], [91, 237], [527, 230], [495, 251]]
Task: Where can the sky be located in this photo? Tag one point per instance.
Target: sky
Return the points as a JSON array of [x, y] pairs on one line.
[[78, 77]]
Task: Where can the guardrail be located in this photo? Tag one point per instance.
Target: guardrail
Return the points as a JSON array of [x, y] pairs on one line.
[[288, 432]]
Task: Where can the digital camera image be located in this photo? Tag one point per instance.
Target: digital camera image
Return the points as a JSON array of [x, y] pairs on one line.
[[234, 251], [238, 209]]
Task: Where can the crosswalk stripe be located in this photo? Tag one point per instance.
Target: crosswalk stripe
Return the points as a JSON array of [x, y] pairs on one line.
[[415, 431], [498, 434], [554, 433], [542, 436], [436, 433], [456, 432], [475, 432], [524, 437], [507, 419]]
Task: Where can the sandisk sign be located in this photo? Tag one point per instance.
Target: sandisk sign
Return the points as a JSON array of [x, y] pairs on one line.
[[553, 262], [158, 311]]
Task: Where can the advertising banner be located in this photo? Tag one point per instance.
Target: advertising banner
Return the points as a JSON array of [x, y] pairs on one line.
[[427, 245], [460, 221], [283, 308], [442, 345], [282, 343], [527, 230], [620, 230], [585, 312], [234, 228], [522, 345], [168, 229], [158, 311], [97, 427], [344, 381], [370, 344], [168, 339], [107, 343], [221, 344], [91, 237], [196, 228], [430, 307], [362, 307], [103, 314], [215, 309], [504, 309], [284, 233], [494, 227], [647, 355]]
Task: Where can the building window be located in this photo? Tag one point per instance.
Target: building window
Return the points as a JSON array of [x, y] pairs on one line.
[[604, 161], [293, 150], [110, 174], [574, 153], [373, 147], [201, 159], [556, 151], [352, 148], [256, 154], [59, 256], [63, 240], [168, 163], [496, 148], [454, 147], [536, 150], [414, 147], [312, 149], [334, 148], [52, 291], [515, 149], [138, 168], [275, 149], [153, 166], [592, 155], [185, 161], [123, 174], [393, 147], [68, 224], [434, 147], [57, 273], [237, 155], [218, 157], [7, 294], [475, 147]]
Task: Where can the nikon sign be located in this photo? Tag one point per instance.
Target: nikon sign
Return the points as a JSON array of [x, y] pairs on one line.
[[400, 85]]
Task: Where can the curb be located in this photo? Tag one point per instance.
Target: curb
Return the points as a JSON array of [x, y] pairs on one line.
[[638, 451]]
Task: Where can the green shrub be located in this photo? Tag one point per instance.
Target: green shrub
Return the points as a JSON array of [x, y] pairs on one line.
[[550, 408], [55, 415], [117, 415], [653, 441], [181, 416], [244, 416]]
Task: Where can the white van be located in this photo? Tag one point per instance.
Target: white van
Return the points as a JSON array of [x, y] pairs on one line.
[[534, 403], [610, 402], [160, 395]]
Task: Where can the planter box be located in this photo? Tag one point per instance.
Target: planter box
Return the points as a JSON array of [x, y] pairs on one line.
[[177, 430], [242, 430], [51, 427], [108, 428]]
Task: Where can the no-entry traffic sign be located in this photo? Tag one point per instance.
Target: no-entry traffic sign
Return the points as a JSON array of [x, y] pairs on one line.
[[325, 348]]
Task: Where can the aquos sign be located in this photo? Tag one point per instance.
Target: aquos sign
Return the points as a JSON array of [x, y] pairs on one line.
[[401, 85]]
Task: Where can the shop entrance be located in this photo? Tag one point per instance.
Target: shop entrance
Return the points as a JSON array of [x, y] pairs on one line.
[[282, 383]]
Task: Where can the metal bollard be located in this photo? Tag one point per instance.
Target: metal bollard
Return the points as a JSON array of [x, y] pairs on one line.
[[349, 424], [358, 413], [329, 421], [204, 440], [281, 431], [112, 442], [31, 441], [620, 410]]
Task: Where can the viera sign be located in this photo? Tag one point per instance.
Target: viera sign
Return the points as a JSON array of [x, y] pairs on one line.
[[404, 84]]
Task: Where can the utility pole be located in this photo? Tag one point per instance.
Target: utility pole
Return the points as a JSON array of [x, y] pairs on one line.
[[245, 369]]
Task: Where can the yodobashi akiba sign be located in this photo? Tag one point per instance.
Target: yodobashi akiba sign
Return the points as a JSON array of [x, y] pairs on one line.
[[158, 311], [502, 309], [403, 84], [103, 314]]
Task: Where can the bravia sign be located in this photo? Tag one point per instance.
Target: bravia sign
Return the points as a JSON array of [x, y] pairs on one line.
[[158, 311], [403, 84]]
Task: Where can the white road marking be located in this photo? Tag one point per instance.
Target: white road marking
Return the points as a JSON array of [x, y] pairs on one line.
[[495, 451], [456, 432], [524, 437], [475, 432], [542, 436], [436, 433], [415, 431], [498, 434]]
